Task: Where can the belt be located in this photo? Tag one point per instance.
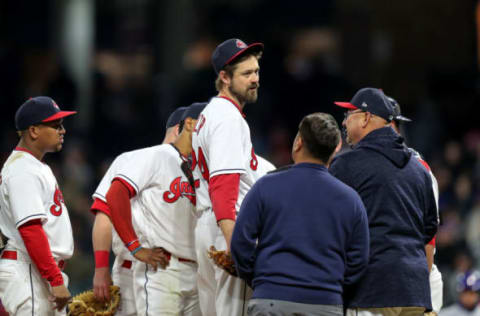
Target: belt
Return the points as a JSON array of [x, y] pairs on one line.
[[127, 264], [12, 255], [169, 256]]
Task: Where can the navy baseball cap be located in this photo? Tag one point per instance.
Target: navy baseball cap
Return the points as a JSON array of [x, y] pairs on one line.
[[194, 110], [370, 100], [230, 50], [38, 110], [176, 116], [468, 281], [397, 111]]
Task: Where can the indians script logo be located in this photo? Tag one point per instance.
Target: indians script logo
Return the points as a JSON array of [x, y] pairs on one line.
[[180, 188], [241, 44]]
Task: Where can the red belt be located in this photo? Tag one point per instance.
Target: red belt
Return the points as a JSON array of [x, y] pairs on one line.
[[169, 255], [12, 255], [127, 264]]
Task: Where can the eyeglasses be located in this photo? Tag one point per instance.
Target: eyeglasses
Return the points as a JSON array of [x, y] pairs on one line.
[[55, 125], [348, 113]]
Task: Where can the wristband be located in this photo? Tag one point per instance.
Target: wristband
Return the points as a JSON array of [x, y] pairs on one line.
[[136, 250], [102, 258], [134, 244]]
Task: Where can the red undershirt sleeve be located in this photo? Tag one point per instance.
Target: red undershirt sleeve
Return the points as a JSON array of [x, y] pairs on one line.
[[432, 242], [223, 190], [38, 249], [118, 200], [100, 206]]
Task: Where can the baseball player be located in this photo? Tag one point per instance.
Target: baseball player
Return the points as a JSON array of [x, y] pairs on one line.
[[104, 237], [34, 216], [225, 162], [160, 180], [435, 277]]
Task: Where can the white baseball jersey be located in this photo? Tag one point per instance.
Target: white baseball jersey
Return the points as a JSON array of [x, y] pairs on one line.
[[28, 191], [166, 199], [118, 247], [264, 166], [222, 145]]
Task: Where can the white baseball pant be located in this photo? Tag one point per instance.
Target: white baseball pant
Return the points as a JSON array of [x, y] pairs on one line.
[[23, 291]]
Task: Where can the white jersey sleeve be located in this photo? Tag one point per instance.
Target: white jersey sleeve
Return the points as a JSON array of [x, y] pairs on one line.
[[139, 168], [225, 148], [105, 183]]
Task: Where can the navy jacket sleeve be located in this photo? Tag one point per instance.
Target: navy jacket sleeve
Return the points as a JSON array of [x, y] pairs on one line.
[[358, 247], [430, 218], [245, 234]]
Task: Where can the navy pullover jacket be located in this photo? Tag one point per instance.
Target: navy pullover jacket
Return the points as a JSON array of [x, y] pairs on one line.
[[312, 236], [397, 192]]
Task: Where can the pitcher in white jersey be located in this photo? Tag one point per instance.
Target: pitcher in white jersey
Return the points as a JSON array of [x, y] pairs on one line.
[[160, 180], [225, 162], [104, 237], [34, 216]]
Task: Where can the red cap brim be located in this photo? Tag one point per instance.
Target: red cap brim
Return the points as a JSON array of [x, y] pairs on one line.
[[258, 46], [346, 105], [59, 115]]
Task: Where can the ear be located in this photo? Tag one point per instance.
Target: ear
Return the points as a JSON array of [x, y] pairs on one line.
[[337, 149], [297, 143], [189, 124], [224, 77], [339, 146], [34, 132], [366, 119], [175, 130]]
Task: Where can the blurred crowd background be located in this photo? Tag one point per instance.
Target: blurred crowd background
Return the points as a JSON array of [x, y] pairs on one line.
[[126, 65]]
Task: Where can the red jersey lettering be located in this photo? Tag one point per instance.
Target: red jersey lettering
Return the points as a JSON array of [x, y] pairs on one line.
[[200, 123], [56, 208], [254, 161], [180, 188], [202, 164]]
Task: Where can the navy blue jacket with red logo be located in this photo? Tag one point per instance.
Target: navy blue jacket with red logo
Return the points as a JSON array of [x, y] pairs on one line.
[[397, 193], [312, 236]]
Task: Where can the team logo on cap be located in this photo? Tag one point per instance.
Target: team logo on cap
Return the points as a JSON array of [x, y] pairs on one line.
[[240, 44], [364, 105], [55, 105]]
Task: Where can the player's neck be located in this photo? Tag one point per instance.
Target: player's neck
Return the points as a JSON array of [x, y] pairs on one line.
[[37, 153], [302, 157], [224, 93], [184, 143]]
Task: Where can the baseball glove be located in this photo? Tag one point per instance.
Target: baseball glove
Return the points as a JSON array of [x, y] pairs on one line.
[[85, 304], [223, 260]]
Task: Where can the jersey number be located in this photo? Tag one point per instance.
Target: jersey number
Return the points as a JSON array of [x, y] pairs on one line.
[[56, 208], [202, 163]]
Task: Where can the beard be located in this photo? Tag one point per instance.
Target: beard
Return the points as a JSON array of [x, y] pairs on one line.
[[249, 95], [346, 137]]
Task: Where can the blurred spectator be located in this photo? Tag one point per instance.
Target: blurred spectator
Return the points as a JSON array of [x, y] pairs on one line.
[[467, 287]]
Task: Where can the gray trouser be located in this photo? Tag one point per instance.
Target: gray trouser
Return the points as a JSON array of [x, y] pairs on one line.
[[266, 307]]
